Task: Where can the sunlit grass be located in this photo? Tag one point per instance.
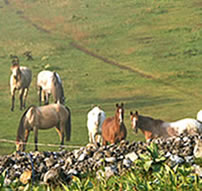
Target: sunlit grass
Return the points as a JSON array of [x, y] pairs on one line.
[[159, 41]]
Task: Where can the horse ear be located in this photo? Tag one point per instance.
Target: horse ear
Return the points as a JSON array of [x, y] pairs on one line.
[[93, 105], [136, 113], [131, 113], [117, 105], [122, 104], [14, 63]]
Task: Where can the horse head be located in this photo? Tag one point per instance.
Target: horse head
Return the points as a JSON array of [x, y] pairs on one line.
[[120, 112], [26, 122], [96, 115], [15, 68], [134, 121]]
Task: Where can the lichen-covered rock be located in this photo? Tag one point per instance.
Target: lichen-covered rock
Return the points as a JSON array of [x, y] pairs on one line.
[[198, 149], [105, 160]]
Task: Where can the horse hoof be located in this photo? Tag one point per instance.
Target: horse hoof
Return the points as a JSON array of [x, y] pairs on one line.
[[61, 148]]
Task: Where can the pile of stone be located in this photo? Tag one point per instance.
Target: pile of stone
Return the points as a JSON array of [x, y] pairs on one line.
[[50, 167]]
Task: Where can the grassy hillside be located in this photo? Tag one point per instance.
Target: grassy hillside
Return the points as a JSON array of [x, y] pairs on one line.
[[146, 54]]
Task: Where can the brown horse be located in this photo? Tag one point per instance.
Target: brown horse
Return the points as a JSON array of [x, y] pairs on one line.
[[113, 128], [151, 128], [43, 117], [20, 79]]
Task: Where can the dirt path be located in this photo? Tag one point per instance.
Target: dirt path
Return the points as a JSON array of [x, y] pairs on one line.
[[140, 73], [108, 61]]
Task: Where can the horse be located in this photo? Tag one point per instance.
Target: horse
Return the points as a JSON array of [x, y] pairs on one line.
[[20, 79], [199, 116], [113, 128], [153, 128], [95, 118], [50, 83], [43, 117]]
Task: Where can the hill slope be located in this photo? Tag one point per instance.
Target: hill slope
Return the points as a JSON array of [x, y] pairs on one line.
[[146, 54]]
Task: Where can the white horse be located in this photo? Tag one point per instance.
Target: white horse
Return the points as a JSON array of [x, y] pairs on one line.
[[50, 83], [20, 79], [188, 125], [199, 116], [96, 116]]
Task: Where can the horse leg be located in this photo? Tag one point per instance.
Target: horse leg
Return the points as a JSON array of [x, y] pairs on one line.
[[90, 137], [60, 132], [93, 136], [13, 98], [25, 97], [40, 92], [36, 138], [148, 135], [26, 138], [47, 95], [21, 97], [43, 96], [104, 142]]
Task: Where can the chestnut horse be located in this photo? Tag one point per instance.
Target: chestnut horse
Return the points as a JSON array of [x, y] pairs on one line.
[[113, 128], [153, 128], [43, 117], [20, 79]]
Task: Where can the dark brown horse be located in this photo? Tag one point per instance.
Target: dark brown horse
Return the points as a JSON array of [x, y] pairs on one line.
[[113, 128], [43, 117], [151, 128]]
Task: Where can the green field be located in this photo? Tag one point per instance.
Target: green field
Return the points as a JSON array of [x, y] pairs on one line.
[[146, 54]]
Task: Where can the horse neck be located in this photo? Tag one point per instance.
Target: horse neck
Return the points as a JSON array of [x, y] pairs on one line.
[[143, 122], [58, 92], [19, 74], [23, 123], [141, 125], [21, 130]]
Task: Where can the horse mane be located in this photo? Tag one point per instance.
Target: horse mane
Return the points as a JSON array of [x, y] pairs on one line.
[[68, 125], [55, 79], [20, 132], [57, 83]]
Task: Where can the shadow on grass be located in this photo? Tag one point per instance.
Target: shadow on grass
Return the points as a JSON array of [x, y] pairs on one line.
[[133, 102]]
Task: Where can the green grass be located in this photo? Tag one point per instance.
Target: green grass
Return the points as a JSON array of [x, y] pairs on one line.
[[160, 41]]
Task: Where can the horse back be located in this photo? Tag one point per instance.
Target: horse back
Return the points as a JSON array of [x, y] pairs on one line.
[[26, 76], [47, 116], [44, 80], [108, 122]]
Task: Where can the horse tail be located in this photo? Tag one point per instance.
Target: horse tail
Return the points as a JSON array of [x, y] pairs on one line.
[[68, 125], [20, 132]]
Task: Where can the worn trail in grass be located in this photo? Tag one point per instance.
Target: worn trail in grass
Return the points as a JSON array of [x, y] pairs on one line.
[[146, 54]]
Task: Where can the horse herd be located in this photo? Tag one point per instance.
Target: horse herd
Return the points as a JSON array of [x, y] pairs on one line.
[[100, 128]]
